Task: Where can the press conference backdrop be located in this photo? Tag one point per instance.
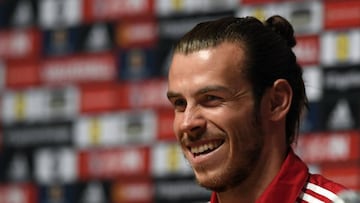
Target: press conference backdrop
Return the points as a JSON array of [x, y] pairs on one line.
[[84, 117]]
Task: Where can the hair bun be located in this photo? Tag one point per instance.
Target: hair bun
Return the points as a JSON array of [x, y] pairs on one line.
[[281, 26]]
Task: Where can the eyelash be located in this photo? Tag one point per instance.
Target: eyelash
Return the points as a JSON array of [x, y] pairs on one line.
[[179, 102], [211, 97]]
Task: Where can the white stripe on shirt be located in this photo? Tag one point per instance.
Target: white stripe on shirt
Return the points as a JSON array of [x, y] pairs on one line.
[[321, 191], [309, 198]]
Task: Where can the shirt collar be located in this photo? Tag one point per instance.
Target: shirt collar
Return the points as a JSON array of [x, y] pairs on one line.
[[288, 183]]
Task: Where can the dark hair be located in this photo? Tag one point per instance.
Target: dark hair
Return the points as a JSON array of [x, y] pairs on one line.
[[269, 56]]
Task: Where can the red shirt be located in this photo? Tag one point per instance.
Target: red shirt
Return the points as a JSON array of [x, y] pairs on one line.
[[294, 183]]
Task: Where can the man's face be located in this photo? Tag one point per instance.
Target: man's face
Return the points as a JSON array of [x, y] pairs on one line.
[[214, 115]]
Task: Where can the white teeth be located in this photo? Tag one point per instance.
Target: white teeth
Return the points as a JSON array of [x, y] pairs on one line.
[[204, 147]]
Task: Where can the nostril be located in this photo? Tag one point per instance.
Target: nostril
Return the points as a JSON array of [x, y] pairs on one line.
[[195, 133], [196, 129], [193, 125], [194, 136]]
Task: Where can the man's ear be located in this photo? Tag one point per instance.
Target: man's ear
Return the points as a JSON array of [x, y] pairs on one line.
[[280, 99]]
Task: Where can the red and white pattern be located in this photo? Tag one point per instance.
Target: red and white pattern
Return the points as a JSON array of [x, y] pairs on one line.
[[318, 191]]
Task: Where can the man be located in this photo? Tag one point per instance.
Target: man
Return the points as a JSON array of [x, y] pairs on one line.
[[238, 94]]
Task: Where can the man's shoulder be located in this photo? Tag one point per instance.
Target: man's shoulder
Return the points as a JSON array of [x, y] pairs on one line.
[[320, 189]]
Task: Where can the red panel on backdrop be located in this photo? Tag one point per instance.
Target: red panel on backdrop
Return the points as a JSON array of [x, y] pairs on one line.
[[136, 190], [136, 32], [24, 193], [22, 74], [20, 44], [307, 50], [95, 10], [99, 97], [327, 147], [342, 14], [112, 163], [165, 125], [148, 94], [79, 68]]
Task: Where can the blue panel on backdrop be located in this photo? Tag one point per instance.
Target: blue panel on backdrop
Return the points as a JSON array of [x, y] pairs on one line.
[[60, 41], [136, 64], [56, 193]]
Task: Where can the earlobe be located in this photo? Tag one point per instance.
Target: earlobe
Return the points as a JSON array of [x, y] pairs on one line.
[[280, 99]]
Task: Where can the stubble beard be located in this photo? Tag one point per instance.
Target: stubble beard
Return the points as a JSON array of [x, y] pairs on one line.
[[234, 175]]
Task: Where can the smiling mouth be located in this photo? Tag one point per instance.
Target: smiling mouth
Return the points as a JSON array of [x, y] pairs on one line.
[[205, 148]]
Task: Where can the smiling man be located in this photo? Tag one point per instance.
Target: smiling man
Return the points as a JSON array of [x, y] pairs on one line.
[[238, 94]]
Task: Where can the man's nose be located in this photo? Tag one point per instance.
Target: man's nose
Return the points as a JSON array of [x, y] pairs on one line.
[[193, 122]]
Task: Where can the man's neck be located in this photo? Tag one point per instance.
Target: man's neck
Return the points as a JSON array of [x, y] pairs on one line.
[[251, 189]]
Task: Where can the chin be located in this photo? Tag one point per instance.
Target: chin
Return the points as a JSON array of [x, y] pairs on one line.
[[223, 182], [215, 188]]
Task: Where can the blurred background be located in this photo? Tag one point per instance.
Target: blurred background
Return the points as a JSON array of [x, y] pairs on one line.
[[84, 116]]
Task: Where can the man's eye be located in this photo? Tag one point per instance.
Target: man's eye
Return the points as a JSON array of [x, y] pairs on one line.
[[211, 100], [211, 97], [179, 104]]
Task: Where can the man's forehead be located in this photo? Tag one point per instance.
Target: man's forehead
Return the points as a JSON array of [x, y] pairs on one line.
[[225, 56], [204, 54]]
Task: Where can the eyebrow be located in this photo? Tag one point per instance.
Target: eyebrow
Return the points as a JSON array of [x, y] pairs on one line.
[[171, 94], [204, 90], [213, 88]]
